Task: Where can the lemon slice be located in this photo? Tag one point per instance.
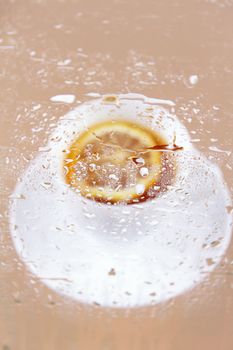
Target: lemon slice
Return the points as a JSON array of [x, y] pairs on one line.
[[110, 162]]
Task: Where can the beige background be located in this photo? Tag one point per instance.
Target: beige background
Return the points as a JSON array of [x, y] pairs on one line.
[[80, 47]]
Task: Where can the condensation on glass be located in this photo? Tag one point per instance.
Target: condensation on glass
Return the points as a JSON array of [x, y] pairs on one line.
[[90, 272]]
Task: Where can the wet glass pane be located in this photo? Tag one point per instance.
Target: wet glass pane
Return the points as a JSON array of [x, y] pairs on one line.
[[116, 175]]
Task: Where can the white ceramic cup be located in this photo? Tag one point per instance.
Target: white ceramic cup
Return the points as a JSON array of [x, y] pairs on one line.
[[121, 255]]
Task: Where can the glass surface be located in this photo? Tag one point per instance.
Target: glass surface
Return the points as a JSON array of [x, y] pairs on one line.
[[55, 55]]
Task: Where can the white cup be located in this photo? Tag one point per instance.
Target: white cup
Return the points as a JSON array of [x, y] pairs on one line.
[[121, 255]]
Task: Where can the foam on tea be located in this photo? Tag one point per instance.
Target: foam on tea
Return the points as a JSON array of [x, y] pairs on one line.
[[118, 161], [113, 254]]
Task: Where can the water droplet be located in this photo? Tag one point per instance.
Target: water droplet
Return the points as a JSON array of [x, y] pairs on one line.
[[140, 188], [140, 161], [90, 215], [210, 261], [144, 171], [113, 177], [112, 272], [63, 98], [46, 185], [92, 167], [193, 79]]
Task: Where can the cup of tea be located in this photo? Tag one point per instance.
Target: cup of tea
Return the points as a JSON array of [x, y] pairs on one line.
[[121, 210]]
